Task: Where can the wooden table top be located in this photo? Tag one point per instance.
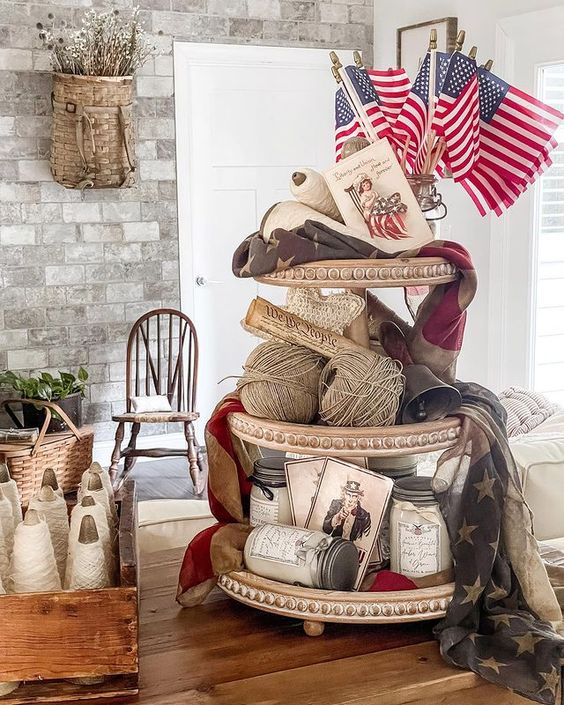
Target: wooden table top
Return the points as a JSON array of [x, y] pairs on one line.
[[224, 653]]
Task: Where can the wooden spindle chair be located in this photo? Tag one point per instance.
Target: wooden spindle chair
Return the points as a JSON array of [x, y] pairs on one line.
[[162, 359]]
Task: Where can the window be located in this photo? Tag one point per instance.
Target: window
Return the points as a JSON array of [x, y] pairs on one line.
[[549, 309]]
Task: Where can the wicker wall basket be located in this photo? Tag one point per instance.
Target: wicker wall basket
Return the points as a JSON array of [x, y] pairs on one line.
[[69, 453], [92, 135]]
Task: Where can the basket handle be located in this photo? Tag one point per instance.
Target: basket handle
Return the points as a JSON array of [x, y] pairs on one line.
[[48, 406]]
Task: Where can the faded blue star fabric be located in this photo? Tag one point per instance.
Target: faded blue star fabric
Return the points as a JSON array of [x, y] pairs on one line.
[[499, 621]]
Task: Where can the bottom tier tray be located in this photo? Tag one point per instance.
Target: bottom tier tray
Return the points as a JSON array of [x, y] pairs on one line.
[[316, 607]]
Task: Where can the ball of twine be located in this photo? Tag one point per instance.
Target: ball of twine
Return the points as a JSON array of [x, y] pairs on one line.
[[281, 382], [360, 388]]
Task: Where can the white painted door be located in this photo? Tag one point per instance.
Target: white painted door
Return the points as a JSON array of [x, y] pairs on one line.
[[246, 118], [523, 248]]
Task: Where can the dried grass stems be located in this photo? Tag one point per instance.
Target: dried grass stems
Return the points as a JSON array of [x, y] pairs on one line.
[[107, 44]]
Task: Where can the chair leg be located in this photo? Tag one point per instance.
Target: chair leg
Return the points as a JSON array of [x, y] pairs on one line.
[[130, 461], [195, 473], [116, 454]]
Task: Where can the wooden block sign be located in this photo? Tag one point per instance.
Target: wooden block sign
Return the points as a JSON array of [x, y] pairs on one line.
[[289, 328]]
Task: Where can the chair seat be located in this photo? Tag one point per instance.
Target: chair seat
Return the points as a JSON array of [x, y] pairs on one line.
[[156, 417]]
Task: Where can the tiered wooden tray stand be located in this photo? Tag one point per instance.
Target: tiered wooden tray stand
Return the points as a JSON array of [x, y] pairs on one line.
[[316, 607]]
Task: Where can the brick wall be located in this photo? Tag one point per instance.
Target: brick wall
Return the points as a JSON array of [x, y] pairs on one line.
[[79, 268]]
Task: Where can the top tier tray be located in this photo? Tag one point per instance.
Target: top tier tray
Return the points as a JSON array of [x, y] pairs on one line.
[[365, 273]]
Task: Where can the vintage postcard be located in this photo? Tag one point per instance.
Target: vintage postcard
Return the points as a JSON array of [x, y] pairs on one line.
[[350, 503], [376, 201], [302, 478]]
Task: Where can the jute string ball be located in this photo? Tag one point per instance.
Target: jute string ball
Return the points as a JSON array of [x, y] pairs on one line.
[[360, 388], [281, 382]]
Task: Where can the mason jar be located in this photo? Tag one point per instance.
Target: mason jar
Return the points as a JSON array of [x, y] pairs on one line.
[[419, 542], [424, 187], [290, 554], [395, 468], [269, 502]]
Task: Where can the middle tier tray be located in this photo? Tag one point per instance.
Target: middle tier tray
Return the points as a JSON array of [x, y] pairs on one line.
[[408, 439]]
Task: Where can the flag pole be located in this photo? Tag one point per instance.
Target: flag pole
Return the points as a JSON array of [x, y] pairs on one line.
[[430, 135], [338, 70]]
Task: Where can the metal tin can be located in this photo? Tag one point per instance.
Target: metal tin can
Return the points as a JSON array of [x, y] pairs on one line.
[[269, 502], [290, 554], [419, 542]]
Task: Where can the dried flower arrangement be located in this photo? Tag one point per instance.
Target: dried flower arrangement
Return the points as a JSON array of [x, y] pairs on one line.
[[107, 44]]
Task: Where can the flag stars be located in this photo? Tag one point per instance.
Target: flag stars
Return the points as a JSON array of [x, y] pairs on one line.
[[551, 680], [485, 487], [498, 619], [465, 533], [473, 592], [491, 663], [526, 643]]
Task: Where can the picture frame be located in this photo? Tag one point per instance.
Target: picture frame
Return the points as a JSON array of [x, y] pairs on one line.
[[412, 41], [350, 503]]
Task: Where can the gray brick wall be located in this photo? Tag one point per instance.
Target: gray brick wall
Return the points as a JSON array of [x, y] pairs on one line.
[[78, 268]]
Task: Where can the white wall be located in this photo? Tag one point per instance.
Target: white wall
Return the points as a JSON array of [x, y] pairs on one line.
[[479, 19]]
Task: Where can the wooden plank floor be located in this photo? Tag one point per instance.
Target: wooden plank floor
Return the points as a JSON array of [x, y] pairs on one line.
[[223, 653], [165, 478]]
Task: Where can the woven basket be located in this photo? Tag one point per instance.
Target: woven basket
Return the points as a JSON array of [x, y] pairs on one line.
[[68, 453], [92, 134]]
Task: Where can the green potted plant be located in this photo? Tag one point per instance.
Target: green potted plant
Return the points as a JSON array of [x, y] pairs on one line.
[[66, 390]]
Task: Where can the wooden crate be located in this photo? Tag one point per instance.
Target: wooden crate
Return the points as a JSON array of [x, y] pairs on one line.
[[51, 636]]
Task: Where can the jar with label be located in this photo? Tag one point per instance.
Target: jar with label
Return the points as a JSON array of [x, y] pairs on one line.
[[419, 541], [396, 468], [270, 502], [290, 554]]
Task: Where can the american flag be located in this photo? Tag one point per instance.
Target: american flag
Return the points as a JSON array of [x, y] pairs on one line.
[[412, 121], [392, 87], [364, 89], [457, 115], [346, 122], [516, 137]]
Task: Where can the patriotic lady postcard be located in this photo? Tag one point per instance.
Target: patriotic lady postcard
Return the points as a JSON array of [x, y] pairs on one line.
[[376, 201]]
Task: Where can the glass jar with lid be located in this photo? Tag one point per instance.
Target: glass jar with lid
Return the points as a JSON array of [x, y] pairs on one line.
[[419, 542], [290, 554], [269, 502]]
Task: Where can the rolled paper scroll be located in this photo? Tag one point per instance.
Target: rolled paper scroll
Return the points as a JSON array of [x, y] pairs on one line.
[[280, 324]]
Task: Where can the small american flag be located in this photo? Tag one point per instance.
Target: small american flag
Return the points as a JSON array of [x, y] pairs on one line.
[[457, 115], [517, 130], [516, 137], [346, 122], [392, 87], [364, 89], [412, 121]]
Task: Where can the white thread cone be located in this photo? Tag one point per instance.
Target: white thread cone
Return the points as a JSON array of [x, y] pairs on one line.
[[10, 490], [96, 490], [89, 570], [96, 469], [6, 521], [33, 567], [53, 509], [88, 506], [50, 479]]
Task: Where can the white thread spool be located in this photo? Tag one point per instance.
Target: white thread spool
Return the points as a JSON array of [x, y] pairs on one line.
[[10, 490], [89, 571], [310, 188], [6, 521], [96, 489], [33, 567], [96, 469], [53, 509], [50, 479], [6, 687], [89, 506]]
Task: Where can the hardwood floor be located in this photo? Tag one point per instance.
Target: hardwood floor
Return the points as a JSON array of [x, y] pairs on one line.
[[165, 478]]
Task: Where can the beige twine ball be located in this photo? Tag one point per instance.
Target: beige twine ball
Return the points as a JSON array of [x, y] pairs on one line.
[[281, 382], [360, 388]]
